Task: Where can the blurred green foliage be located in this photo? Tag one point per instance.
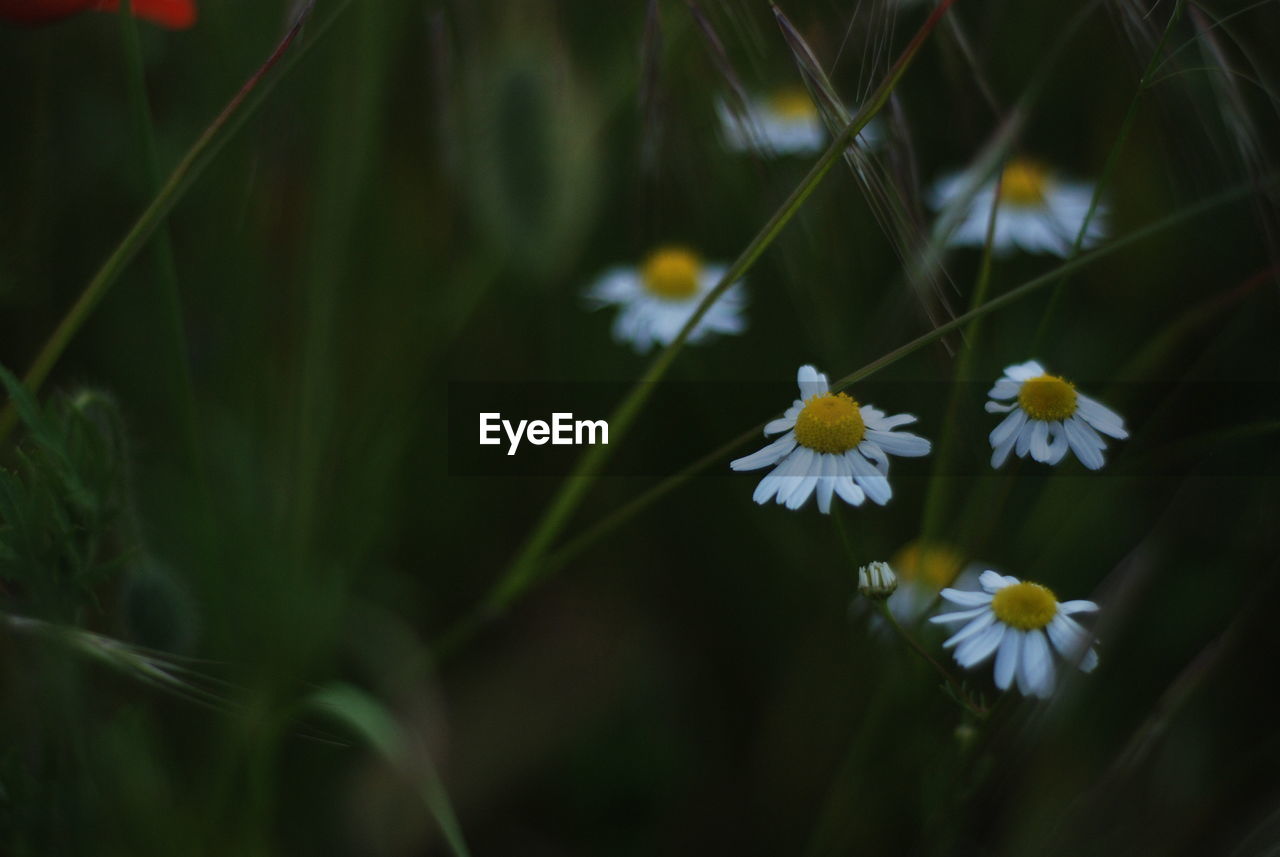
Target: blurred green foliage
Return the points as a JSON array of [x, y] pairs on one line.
[[423, 200]]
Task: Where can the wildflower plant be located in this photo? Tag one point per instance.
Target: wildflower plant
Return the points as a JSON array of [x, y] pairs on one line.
[[1021, 624], [655, 300], [830, 446], [1047, 416], [252, 600], [785, 121], [66, 509], [1026, 207]]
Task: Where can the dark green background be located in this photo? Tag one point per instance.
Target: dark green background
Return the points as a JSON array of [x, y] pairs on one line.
[[422, 200]]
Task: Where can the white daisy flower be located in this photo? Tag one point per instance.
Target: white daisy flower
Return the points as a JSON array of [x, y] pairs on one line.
[[785, 122], [656, 299], [1047, 417], [830, 445], [1039, 211], [1018, 623]]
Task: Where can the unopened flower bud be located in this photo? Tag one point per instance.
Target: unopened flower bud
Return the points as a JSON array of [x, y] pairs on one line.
[[877, 580]]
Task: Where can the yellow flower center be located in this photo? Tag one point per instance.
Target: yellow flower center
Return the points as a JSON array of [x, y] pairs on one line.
[[1023, 183], [792, 104], [933, 565], [1027, 606], [1048, 398], [672, 273], [830, 423]]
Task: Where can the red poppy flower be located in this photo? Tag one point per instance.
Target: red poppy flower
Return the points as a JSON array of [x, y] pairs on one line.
[[174, 14]]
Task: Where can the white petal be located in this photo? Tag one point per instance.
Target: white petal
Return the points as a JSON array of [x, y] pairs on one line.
[[872, 452], [1089, 662], [900, 443], [1070, 639], [771, 454], [868, 477], [983, 620], [1024, 371], [1087, 449], [997, 408], [965, 598], [1005, 388], [1007, 428], [1074, 642], [812, 382], [993, 581], [774, 480], [1035, 671], [1040, 441], [1024, 438], [959, 615], [1057, 442], [1001, 452], [804, 487], [847, 491], [1069, 608], [1101, 417], [615, 286], [947, 188], [871, 416], [786, 421], [802, 467], [981, 647], [874, 419], [827, 484], [710, 278], [780, 424], [1007, 657]]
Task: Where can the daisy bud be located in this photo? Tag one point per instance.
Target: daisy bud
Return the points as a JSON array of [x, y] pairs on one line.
[[877, 580]]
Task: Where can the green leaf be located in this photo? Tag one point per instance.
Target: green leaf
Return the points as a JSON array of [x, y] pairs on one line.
[[371, 720]]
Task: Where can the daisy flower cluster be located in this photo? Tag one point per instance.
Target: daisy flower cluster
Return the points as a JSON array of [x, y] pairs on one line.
[[828, 445], [1036, 210], [832, 446]]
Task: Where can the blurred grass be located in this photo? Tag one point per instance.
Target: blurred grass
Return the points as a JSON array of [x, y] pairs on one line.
[[423, 201]]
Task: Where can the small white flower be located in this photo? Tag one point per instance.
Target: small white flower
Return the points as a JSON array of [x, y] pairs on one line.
[[1047, 417], [656, 299], [1018, 623], [831, 446], [785, 122], [1039, 211], [877, 580]]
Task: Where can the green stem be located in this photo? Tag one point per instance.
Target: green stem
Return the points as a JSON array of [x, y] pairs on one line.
[[957, 689], [170, 298], [846, 539], [882, 604], [525, 567], [935, 506], [243, 105]]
